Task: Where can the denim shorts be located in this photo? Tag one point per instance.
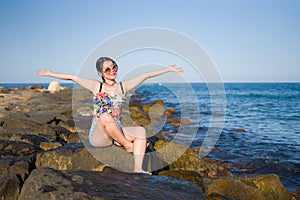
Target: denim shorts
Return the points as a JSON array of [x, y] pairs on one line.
[[94, 123]]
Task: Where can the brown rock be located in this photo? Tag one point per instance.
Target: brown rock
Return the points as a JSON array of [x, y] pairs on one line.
[[190, 176], [49, 145], [147, 107], [265, 187], [218, 169], [25, 126], [179, 122], [32, 139], [9, 187], [296, 194], [181, 157], [69, 157], [240, 130], [13, 174], [66, 135], [2, 115], [214, 196], [169, 112], [15, 149]]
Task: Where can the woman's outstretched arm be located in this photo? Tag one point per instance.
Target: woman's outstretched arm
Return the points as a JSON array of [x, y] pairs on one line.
[[86, 83], [134, 82]]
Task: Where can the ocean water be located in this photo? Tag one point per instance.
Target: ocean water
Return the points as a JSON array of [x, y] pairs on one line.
[[45, 85], [260, 129]]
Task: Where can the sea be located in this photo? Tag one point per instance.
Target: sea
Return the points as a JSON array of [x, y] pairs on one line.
[[253, 127]]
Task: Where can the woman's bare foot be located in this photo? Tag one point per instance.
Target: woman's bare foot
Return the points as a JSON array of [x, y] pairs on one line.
[[142, 172]]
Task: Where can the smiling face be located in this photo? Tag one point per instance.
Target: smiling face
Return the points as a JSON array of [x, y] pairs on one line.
[[109, 70]]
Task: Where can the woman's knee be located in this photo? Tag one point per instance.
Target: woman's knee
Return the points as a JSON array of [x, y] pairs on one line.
[[106, 118], [142, 131]]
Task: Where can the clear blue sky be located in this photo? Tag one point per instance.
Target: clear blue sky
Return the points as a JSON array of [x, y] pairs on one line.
[[247, 40]]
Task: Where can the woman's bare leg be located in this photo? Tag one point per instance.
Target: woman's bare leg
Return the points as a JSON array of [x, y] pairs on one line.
[[137, 134], [109, 128]]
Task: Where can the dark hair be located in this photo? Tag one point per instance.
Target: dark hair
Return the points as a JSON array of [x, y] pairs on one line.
[[101, 60]]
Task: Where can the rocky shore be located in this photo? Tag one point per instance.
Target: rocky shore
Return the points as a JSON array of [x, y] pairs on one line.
[[44, 155]]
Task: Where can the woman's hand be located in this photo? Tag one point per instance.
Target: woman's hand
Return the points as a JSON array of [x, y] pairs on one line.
[[172, 68], [45, 72]]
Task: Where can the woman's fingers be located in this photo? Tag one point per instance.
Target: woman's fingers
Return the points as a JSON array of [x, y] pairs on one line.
[[175, 69], [43, 72]]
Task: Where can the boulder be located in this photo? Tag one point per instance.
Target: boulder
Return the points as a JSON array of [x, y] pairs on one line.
[[69, 157], [33, 139], [24, 126], [169, 112], [149, 106], [49, 145], [296, 194], [214, 196], [9, 187], [36, 87], [79, 156], [46, 183], [179, 121], [66, 135], [13, 174], [54, 86], [180, 157], [16, 149], [190, 176], [265, 187], [218, 169]]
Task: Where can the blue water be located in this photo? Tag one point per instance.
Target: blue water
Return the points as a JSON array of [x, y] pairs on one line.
[[269, 114], [45, 85]]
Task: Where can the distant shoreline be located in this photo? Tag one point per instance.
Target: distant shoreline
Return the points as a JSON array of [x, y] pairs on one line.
[[72, 85]]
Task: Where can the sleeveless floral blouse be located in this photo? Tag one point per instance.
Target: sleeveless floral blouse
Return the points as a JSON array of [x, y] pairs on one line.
[[105, 103]]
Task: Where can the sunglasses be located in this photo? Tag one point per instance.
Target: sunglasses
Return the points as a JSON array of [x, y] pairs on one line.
[[109, 70]]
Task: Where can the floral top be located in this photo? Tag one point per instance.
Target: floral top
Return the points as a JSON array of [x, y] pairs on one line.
[[104, 102]]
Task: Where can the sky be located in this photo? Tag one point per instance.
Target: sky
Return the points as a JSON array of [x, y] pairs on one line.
[[248, 41]]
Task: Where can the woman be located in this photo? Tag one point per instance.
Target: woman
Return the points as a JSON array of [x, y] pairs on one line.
[[108, 99]]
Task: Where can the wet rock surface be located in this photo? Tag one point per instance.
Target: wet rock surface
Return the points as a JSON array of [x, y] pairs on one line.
[[45, 155]]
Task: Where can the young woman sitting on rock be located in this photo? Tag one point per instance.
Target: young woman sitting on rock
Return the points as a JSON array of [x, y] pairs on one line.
[[109, 97]]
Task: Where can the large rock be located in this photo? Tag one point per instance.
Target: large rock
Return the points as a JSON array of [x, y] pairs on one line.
[[149, 106], [9, 187], [296, 194], [77, 156], [69, 157], [33, 139], [264, 187], [218, 169], [12, 176], [66, 135], [16, 149], [23, 126], [180, 157], [46, 183], [54, 86], [190, 176]]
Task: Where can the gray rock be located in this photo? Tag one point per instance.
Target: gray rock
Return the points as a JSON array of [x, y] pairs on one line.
[[9, 187], [46, 183], [16, 149], [13, 174]]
